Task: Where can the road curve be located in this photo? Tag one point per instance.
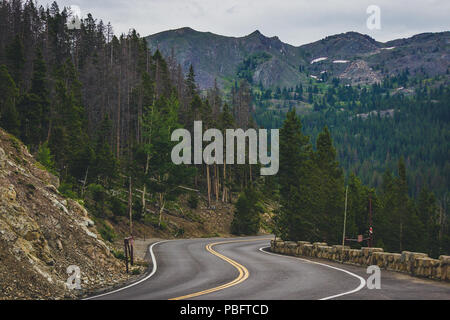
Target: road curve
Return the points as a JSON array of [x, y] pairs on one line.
[[237, 269]]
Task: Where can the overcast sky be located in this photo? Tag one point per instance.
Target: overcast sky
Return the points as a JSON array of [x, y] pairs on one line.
[[293, 21]]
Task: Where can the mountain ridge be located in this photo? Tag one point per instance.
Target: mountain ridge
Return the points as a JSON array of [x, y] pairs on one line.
[[217, 57]]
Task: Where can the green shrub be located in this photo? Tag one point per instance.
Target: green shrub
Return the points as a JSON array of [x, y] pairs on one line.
[[45, 157], [15, 142], [66, 190], [95, 197], [193, 217], [163, 225], [193, 201], [151, 219], [106, 231], [118, 207], [247, 217], [97, 192], [119, 255], [179, 232], [137, 210], [135, 271]]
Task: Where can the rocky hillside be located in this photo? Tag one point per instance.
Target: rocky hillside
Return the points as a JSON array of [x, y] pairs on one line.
[[351, 56], [42, 233]]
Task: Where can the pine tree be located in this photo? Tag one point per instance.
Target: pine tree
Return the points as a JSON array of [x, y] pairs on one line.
[[401, 197], [163, 177], [356, 206], [105, 165], [428, 214], [16, 59], [191, 87], [295, 220], [226, 121], [331, 188], [408, 225], [45, 157], [9, 117], [67, 133], [34, 106], [387, 221]]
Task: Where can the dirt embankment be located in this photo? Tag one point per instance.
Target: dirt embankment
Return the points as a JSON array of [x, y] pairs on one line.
[[42, 234]]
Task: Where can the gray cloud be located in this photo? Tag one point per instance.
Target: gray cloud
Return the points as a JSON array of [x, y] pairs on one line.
[[293, 21]]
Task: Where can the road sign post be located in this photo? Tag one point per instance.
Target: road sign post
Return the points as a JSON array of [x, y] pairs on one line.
[[128, 244]]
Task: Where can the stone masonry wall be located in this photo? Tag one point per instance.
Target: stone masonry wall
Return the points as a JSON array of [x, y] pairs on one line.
[[414, 263]]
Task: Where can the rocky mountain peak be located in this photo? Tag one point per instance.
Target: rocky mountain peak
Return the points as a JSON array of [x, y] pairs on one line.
[[218, 57], [255, 33], [184, 30]]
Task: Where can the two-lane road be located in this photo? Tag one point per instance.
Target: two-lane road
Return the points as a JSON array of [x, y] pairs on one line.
[[237, 269]]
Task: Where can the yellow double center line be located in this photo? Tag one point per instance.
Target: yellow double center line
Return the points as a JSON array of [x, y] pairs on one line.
[[243, 271]]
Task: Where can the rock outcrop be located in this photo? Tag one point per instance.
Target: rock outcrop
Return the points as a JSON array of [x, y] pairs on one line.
[[42, 233]]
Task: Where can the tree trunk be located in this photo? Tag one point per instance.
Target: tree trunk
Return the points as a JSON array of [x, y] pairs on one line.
[[130, 206], [161, 209], [224, 192], [144, 189], [118, 124], [216, 176], [209, 185]]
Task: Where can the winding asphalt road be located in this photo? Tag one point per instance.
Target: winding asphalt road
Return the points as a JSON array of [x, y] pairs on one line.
[[239, 269]]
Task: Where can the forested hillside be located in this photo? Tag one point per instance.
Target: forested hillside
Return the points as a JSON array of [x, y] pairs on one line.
[[343, 81], [98, 110], [391, 139], [312, 193], [374, 126]]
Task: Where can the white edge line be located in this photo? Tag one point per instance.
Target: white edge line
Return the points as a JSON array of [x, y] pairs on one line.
[[361, 285], [155, 267]]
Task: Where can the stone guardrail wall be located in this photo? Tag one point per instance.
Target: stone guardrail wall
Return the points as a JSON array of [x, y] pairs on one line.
[[414, 263]]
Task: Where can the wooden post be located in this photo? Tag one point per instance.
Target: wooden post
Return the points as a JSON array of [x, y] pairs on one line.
[[345, 221], [130, 206], [125, 251], [128, 250], [131, 247]]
